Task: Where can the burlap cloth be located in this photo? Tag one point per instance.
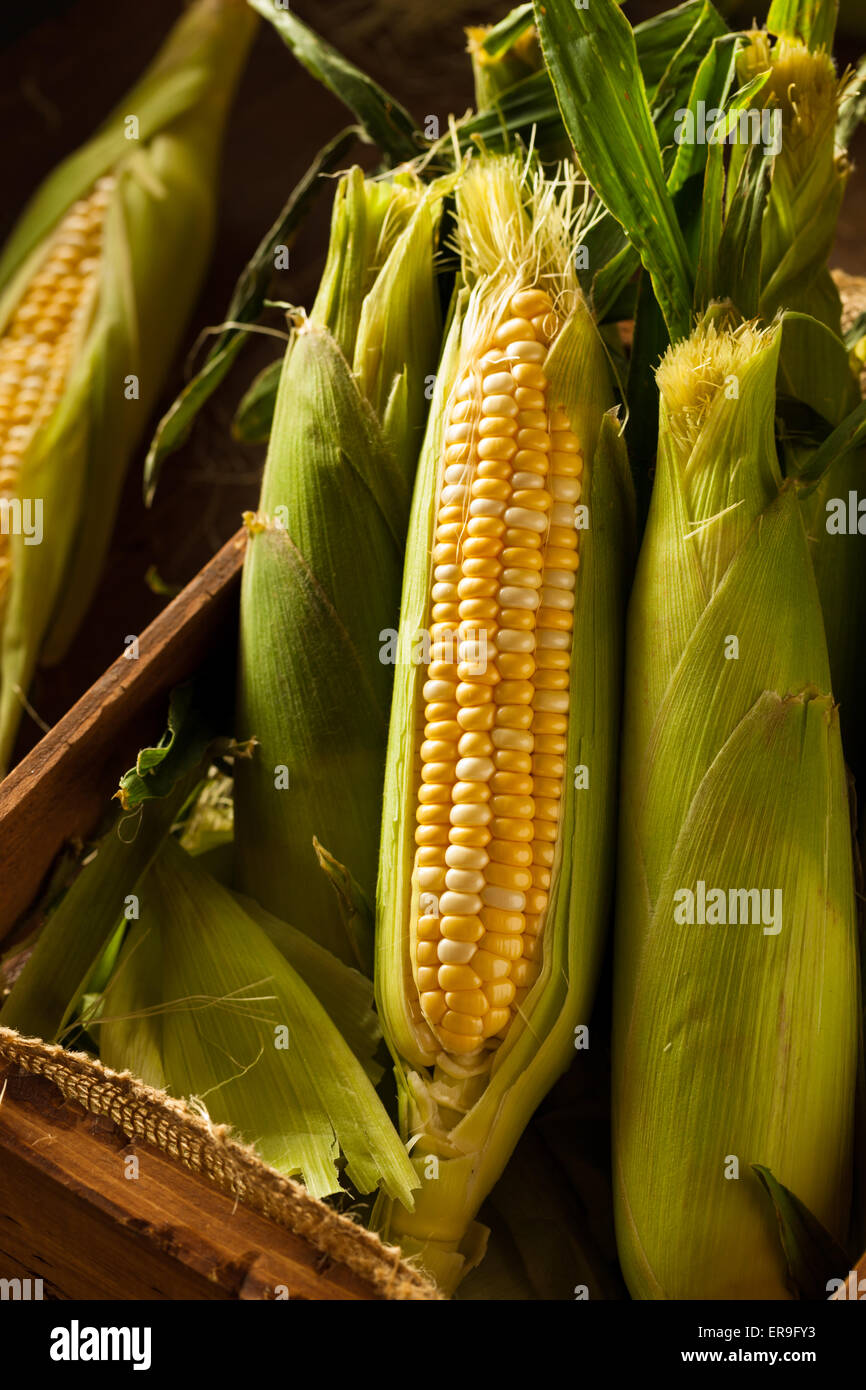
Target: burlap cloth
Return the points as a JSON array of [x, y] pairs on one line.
[[172, 1127]]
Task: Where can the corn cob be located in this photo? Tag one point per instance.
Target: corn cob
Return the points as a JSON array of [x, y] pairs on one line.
[[484, 967], [505, 559], [733, 1045], [322, 572], [809, 175], [41, 339], [95, 285]]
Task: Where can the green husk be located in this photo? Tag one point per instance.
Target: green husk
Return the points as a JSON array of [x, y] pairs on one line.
[[729, 1043], [208, 827], [508, 34], [170, 782], [356, 911], [809, 176], [204, 1004], [255, 414], [659, 38], [812, 1256], [344, 992], [852, 107], [514, 100], [708, 36], [157, 238], [458, 1160], [840, 571], [812, 21], [670, 48], [815, 370], [46, 997], [593, 63], [321, 579]]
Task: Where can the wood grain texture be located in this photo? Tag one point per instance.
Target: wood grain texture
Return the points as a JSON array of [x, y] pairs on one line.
[[70, 1216], [62, 787]]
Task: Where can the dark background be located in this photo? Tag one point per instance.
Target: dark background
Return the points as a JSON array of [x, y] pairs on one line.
[[63, 66]]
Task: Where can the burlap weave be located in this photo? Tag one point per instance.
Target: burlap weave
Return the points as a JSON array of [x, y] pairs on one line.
[[172, 1127]]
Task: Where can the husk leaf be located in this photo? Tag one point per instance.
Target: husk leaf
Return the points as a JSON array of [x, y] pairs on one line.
[[225, 994], [321, 581]]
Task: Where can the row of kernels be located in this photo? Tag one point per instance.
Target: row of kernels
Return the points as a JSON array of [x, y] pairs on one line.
[[438, 752], [464, 966], [449, 986], [550, 705], [490, 967], [35, 349], [508, 877]]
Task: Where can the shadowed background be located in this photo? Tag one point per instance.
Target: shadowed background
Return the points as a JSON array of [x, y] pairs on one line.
[[62, 71]]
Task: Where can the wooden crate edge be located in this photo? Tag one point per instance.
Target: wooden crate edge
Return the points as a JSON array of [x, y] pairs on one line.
[[209, 1150], [62, 787]]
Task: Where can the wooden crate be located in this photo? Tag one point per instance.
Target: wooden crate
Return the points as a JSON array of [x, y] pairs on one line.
[[104, 1193], [60, 790], [76, 1213]]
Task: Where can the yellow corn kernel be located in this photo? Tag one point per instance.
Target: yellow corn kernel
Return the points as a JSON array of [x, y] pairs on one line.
[[37, 344], [505, 559], [457, 977]]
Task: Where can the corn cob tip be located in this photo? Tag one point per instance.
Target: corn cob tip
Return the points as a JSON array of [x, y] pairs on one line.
[[522, 228], [802, 82], [695, 370]]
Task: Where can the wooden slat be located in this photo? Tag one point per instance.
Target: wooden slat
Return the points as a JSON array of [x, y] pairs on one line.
[[10, 1268], [62, 787], [70, 1216]]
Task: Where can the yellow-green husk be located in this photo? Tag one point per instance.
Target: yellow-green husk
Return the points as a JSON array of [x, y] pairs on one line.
[[321, 581], [731, 1046]]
